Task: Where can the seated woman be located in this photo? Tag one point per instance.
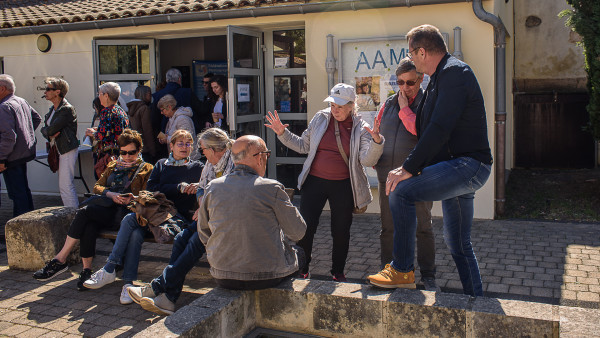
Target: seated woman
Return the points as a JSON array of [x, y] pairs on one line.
[[128, 174], [162, 293], [170, 177]]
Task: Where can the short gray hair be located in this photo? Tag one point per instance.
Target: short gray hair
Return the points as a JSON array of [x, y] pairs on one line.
[[173, 75], [406, 65], [215, 138], [8, 82], [167, 101], [112, 89], [253, 144]]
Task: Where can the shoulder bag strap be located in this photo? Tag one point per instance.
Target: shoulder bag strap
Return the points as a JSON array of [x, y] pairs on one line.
[[134, 175], [339, 142]]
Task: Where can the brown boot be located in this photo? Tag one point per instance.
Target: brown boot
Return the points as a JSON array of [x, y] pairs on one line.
[[391, 278]]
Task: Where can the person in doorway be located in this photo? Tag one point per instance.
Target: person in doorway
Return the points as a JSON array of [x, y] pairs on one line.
[[128, 174], [452, 160], [140, 117], [162, 293], [208, 102], [397, 120], [178, 119], [18, 122], [218, 84], [60, 127], [339, 143]]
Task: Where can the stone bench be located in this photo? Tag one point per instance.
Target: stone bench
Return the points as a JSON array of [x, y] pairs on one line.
[[34, 238]]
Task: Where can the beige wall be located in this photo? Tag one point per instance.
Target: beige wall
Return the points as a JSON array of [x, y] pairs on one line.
[[546, 56], [71, 57]]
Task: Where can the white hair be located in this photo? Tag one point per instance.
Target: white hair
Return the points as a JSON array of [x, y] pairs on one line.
[[173, 75], [8, 82], [112, 89]]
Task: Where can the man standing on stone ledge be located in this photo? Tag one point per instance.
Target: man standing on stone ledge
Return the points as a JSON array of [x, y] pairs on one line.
[[452, 160], [18, 122], [397, 119]]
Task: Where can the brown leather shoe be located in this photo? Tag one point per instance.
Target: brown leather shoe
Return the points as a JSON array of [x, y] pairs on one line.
[[391, 278]]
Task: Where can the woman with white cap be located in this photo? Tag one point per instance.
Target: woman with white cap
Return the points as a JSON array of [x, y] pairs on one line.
[[338, 143]]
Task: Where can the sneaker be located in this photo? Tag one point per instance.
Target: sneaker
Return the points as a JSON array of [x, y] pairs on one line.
[[83, 276], [52, 268], [390, 278], [125, 299], [159, 304], [340, 278], [99, 279], [302, 275], [430, 285], [138, 292]]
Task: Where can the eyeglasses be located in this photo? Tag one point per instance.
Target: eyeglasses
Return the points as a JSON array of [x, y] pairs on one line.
[[268, 152], [49, 89], [183, 144], [125, 152], [410, 55], [408, 83]]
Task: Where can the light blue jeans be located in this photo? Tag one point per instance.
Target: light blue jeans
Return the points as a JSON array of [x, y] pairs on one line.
[[128, 247], [453, 182]]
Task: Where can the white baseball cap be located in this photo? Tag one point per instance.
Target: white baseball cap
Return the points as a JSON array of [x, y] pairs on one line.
[[341, 94]]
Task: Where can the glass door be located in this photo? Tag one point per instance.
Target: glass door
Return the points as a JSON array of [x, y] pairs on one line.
[[129, 63], [245, 103]]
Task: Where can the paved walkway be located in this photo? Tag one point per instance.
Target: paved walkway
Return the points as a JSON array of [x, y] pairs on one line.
[[555, 263]]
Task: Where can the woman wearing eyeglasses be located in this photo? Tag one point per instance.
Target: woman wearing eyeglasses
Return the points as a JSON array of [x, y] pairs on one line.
[[122, 179], [179, 119], [60, 127], [338, 143], [170, 177]]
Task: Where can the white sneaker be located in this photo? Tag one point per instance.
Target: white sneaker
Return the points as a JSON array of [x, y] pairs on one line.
[[99, 279], [125, 299], [136, 293], [159, 304]]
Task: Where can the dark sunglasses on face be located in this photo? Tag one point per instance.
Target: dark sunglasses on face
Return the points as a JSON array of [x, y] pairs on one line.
[[125, 152], [408, 83], [268, 152], [49, 88]]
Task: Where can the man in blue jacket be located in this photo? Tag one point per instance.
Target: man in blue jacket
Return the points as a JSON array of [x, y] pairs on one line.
[[452, 160], [18, 122]]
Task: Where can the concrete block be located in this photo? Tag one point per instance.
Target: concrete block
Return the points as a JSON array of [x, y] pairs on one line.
[[37, 236], [506, 318], [415, 313], [578, 322]]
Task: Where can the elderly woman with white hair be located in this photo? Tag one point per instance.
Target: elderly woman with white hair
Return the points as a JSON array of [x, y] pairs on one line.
[[113, 120], [179, 119], [338, 143]]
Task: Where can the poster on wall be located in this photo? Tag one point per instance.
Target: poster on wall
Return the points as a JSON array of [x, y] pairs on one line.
[[201, 68]]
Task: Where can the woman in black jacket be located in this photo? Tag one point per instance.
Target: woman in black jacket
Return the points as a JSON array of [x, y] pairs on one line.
[[60, 128]]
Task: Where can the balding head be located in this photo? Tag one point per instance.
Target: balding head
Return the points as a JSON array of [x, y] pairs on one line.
[[247, 150]]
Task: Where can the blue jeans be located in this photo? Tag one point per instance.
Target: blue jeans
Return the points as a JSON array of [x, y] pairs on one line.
[[453, 182], [17, 187], [187, 250], [128, 247]]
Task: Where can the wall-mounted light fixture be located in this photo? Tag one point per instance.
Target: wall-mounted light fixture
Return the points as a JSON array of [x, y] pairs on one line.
[[44, 43]]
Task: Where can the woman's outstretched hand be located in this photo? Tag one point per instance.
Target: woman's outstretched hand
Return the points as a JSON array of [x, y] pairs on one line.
[[375, 131], [275, 123]]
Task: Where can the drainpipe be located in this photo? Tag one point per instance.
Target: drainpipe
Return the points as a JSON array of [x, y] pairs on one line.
[[500, 35], [457, 44], [330, 62]]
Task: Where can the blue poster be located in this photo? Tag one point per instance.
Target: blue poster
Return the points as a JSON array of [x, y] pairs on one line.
[[203, 67]]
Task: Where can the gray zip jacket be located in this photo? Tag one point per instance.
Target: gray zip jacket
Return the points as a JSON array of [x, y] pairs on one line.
[[248, 226], [363, 152]]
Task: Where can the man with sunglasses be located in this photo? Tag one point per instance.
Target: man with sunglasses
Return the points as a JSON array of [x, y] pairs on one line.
[[451, 161], [18, 121], [397, 119]]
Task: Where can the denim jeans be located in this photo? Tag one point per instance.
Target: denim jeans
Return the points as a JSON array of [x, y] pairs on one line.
[[17, 187], [453, 182], [187, 250], [128, 246]]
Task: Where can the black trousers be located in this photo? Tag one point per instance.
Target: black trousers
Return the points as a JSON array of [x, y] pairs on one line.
[[89, 221], [315, 193]]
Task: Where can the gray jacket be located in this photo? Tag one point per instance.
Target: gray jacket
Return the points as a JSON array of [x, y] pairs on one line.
[[65, 121], [18, 122], [363, 152], [247, 223]]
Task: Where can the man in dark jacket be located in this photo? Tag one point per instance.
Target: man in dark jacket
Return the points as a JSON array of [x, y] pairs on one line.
[[398, 127], [18, 122], [451, 160]]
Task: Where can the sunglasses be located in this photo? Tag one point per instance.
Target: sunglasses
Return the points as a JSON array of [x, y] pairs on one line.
[[125, 152], [408, 83], [206, 82], [49, 89], [268, 152], [183, 144]]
